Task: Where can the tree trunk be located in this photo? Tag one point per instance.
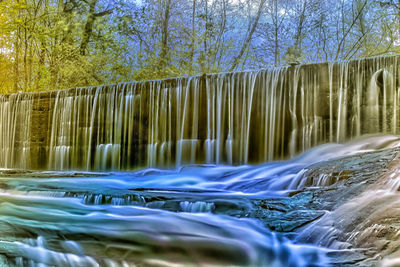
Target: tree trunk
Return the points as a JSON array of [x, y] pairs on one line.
[[205, 38], [221, 33], [276, 33], [300, 27], [25, 55], [249, 36], [88, 27], [193, 38], [16, 62], [164, 38], [17, 49]]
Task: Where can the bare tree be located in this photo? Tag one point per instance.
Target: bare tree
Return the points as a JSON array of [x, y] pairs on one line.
[[193, 37], [222, 30], [164, 34], [346, 30], [249, 36]]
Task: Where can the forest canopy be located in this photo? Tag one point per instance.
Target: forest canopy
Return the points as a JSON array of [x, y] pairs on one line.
[[56, 44]]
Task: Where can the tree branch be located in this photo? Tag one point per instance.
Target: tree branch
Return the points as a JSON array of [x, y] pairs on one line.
[[248, 39], [104, 13]]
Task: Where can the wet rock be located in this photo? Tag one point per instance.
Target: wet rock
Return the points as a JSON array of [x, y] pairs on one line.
[[368, 231], [289, 222]]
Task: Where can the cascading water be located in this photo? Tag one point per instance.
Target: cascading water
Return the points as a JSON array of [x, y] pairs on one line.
[[198, 201], [230, 118], [15, 123], [195, 215]]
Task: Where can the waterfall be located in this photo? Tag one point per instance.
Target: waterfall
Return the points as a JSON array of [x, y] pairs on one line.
[[15, 123], [226, 118]]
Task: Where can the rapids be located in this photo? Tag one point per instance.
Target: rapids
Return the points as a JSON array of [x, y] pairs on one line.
[[193, 215]]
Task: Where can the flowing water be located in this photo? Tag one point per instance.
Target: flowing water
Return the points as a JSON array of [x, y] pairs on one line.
[[229, 118], [194, 215], [170, 172]]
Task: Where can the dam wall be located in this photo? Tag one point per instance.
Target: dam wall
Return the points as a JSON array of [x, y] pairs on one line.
[[227, 118]]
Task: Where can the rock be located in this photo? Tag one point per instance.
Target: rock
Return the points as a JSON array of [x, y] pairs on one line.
[[352, 210]]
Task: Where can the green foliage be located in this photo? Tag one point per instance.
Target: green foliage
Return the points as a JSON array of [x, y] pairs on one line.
[[41, 45], [55, 44]]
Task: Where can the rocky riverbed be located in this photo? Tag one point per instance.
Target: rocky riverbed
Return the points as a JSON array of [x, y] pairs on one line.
[[334, 205], [352, 212]]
